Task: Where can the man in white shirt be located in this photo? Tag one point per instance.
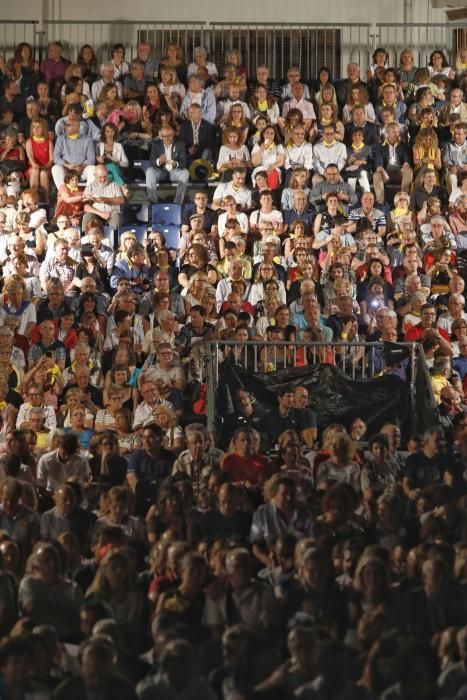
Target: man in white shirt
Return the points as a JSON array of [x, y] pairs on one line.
[[60, 465], [299, 152], [236, 188], [107, 72], [328, 151], [298, 101], [224, 106], [145, 410], [104, 199]]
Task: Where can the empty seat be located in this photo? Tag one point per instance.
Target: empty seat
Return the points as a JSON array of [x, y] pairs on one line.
[[166, 214]]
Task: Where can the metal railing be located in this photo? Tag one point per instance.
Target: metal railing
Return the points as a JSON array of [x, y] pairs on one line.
[[309, 46], [421, 38], [13, 32], [358, 360]]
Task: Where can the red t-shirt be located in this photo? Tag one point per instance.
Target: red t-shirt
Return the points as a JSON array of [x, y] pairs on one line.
[[254, 469]]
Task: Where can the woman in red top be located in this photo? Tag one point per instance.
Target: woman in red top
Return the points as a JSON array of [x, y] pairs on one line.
[[70, 199], [243, 464], [39, 150]]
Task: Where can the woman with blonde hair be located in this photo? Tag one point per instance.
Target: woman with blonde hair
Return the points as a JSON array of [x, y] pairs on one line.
[[14, 302], [115, 584], [340, 466], [325, 118], [327, 95], [426, 153], [170, 84], [358, 97], [173, 58], [166, 419], [126, 240], [298, 181]]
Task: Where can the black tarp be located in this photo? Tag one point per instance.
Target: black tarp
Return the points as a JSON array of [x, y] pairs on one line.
[[334, 396]]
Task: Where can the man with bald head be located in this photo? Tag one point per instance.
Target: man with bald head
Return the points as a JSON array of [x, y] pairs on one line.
[[104, 199]]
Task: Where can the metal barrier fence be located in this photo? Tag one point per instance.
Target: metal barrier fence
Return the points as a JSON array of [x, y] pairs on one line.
[[358, 360], [13, 32], [309, 46], [421, 39]]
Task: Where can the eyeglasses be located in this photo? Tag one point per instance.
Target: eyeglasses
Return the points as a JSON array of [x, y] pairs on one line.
[[31, 396]]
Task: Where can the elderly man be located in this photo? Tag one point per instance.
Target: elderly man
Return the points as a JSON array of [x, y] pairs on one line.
[[133, 269], [456, 105], [59, 265], [262, 78], [455, 312], [47, 344], [199, 135], [107, 72], [326, 152], [104, 199], [332, 183], [73, 151], [168, 163], [375, 216], [389, 99], [455, 157], [135, 82], [298, 152], [298, 101], [393, 163], [16, 249], [150, 63], [293, 76], [353, 80], [198, 94], [223, 107]]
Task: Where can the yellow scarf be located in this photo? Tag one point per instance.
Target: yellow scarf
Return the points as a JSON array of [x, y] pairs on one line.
[[430, 153], [358, 148], [386, 142], [73, 137], [72, 189], [400, 211], [38, 139], [330, 145], [263, 105], [325, 122], [3, 405]]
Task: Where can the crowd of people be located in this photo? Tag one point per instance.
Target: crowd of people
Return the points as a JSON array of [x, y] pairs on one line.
[[141, 554]]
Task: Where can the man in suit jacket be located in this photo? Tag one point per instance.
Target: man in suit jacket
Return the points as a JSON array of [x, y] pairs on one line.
[[199, 135], [370, 136], [168, 163], [392, 163], [456, 105]]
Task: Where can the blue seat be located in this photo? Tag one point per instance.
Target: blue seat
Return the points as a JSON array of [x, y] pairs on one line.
[[109, 236], [166, 214], [140, 232], [172, 235]]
